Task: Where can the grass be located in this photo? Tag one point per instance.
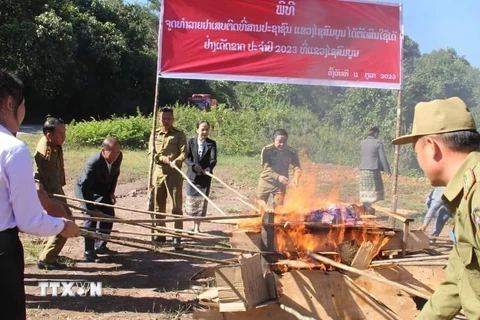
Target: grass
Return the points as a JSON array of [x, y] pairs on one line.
[[32, 249]]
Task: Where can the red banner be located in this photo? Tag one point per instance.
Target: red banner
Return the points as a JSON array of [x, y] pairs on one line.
[[315, 42]]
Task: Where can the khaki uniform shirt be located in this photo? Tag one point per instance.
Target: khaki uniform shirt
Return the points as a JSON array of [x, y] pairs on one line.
[[276, 163], [171, 144], [461, 288], [463, 199], [50, 170]]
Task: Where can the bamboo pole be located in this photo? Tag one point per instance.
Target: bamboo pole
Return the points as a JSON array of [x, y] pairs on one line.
[[165, 231], [98, 216], [154, 249], [411, 259], [136, 221], [342, 266], [199, 247], [151, 147], [111, 205], [199, 191], [201, 236], [398, 132]]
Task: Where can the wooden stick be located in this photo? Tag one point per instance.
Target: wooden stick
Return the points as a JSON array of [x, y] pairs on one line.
[[368, 275], [199, 191], [112, 206], [99, 216], [194, 246], [136, 221], [96, 216], [125, 243], [411, 259], [180, 232]]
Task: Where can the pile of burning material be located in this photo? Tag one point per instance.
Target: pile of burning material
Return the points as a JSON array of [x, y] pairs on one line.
[[338, 231]]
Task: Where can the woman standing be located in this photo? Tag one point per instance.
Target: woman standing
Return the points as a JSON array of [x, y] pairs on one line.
[[373, 162], [20, 208], [201, 158]]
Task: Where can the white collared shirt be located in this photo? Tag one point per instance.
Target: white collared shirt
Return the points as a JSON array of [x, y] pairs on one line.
[[109, 166], [19, 203], [202, 145]]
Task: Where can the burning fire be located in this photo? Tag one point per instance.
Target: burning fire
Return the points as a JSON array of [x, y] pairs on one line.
[[308, 222]]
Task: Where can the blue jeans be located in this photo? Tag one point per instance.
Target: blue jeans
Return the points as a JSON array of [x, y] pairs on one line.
[[442, 217]]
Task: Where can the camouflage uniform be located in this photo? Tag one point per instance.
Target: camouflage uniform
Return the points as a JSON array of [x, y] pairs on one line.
[[167, 180], [276, 163], [50, 172], [461, 289]]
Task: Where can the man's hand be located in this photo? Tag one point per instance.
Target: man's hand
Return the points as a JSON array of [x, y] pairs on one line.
[[70, 229], [283, 180], [206, 170], [197, 168], [165, 160], [114, 199]]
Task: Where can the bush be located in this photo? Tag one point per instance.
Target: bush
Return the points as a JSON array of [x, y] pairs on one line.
[[132, 131], [244, 132]]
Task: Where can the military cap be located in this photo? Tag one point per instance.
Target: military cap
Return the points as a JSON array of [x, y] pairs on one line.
[[439, 116]]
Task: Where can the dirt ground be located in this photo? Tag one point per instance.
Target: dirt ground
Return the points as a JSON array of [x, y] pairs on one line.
[[139, 284]]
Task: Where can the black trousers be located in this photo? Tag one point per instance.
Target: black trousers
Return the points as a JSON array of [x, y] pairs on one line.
[[12, 289], [105, 228]]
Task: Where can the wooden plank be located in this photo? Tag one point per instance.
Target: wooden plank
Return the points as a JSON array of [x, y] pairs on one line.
[[417, 240], [406, 229], [392, 214], [328, 295], [364, 256], [404, 212]]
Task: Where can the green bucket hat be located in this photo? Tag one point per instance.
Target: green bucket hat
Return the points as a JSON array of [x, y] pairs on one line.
[[439, 116]]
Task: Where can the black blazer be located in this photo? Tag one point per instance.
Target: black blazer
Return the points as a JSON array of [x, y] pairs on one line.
[[95, 183], [208, 159]]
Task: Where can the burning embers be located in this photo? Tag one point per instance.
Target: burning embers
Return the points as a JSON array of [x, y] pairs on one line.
[[335, 231]]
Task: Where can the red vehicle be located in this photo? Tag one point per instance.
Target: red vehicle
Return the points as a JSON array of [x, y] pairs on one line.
[[202, 101]]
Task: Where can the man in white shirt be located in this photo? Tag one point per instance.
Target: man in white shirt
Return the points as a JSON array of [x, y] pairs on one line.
[[20, 208]]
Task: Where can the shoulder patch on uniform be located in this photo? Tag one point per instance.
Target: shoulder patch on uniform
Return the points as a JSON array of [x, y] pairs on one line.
[[468, 182], [48, 153]]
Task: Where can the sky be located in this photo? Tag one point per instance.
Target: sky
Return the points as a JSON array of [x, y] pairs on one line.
[[437, 24]]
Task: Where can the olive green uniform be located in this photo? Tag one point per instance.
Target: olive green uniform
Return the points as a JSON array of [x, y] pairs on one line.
[[50, 172], [461, 289], [167, 180], [276, 163]]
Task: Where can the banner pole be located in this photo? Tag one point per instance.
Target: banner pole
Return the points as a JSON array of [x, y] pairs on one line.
[[151, 149], [393, 207]]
